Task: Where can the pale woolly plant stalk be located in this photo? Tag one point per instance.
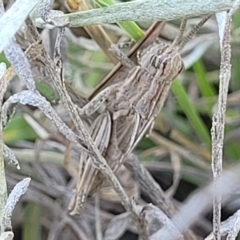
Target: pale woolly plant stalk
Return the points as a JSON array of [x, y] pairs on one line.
[[145, 10], [13, 19], [7, 204], [18, 190], [218, 120], [229, 227], [138, 10], [3, 184]]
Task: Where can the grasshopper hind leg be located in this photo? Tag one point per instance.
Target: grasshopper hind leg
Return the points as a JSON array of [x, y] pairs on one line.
[[84, 184], [89, 176]]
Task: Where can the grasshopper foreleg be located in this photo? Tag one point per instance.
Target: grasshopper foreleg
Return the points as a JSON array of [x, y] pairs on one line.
[[97, 101], [122, 57]]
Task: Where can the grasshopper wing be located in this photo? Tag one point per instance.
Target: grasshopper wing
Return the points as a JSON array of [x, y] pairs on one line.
[[100, 132]]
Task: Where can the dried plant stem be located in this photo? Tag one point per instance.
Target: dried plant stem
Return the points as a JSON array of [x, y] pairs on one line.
[[154, 191], [149, 185]]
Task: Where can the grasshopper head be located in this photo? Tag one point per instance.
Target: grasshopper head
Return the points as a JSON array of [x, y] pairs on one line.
[[161, 61]]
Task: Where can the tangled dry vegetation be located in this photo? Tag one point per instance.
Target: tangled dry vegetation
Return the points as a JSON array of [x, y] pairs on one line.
[[177, 167]]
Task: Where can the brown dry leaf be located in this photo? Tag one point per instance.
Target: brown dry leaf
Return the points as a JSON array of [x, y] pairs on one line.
[[128, 183], [117, 226]]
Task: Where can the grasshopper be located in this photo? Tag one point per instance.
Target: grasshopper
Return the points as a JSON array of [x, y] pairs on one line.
[[127, 109]]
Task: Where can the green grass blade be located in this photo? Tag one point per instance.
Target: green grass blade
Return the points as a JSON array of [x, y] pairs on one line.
[[191, 113], [133, 30], [18, 129], [203, 83], [32, 223]]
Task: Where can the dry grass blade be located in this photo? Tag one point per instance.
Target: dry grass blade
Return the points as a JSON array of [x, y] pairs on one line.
[[157, 138], [98, 226], [120, 71], [98, 33], [184, 141], [176, 163]]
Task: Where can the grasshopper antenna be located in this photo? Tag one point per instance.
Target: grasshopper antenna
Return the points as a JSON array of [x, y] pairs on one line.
[[193, 32], [178, 38]]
